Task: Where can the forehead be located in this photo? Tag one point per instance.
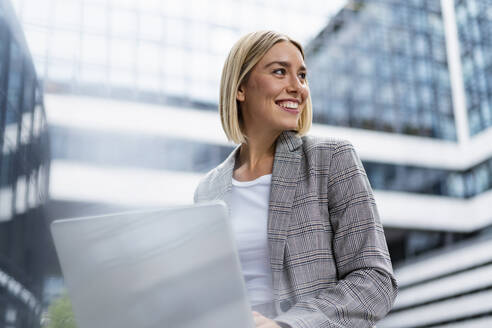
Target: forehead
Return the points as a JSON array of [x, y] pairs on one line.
[[283, 51]]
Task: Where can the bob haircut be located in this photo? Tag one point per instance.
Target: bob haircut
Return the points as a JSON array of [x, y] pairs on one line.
[[244, 55]]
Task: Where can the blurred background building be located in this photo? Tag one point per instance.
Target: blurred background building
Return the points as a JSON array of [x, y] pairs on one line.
[[412, 82], [25, 245], [131, 91]]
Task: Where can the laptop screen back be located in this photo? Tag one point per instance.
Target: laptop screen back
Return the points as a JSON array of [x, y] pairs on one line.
[[174, 267]]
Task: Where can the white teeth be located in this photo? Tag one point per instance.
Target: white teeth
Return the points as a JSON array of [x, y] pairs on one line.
[[289, 104]]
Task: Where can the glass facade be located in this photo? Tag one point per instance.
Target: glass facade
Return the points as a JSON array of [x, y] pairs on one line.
[[131, 150], [193, 156], [405, 244], [24, 171], [420, 180], [381, 65], [152, 51], [474, 22]]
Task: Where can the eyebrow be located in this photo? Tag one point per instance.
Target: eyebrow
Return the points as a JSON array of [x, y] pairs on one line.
[[284, 64]]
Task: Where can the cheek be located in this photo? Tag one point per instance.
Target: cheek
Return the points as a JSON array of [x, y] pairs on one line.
[[268, 87], [306, 91]]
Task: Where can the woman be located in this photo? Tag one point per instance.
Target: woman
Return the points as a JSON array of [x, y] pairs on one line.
[[311, 246]]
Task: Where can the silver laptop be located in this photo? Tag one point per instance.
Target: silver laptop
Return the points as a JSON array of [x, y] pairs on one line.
[[174, 267]]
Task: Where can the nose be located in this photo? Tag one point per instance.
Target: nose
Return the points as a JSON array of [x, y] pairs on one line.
[[296, 85]]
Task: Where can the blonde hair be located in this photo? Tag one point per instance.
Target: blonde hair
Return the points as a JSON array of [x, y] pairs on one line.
[[244, 55]]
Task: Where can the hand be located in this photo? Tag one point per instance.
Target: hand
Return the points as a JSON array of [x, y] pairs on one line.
[[264, 322]]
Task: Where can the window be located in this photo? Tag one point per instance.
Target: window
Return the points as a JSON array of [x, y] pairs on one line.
[[20, 194], [123, 23], [95, 17], [29, 85], [32, 200], [36, 11], [62, 71], [149, 82], [15, 77], [93, 74], [94, 49], [173, 61], [65, 45], [37, 39], [149, 56], [26, 127], [122, 78], [174, 30], [151, 26], [68, 13]]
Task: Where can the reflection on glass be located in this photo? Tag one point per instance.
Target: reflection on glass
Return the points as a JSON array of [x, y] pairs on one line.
[[37, 40], [32, 200], [10, 132], [14, 80], [123, 23], [399, 51], [149, 82], [94, 49], [122, 78], [26, 127], [63, 71], [20, 194], [150, 27], [122, 53], [149, 56], [36, 11], [95, 17], [93, 74], [474, 25], [69, 41], [67, 13]]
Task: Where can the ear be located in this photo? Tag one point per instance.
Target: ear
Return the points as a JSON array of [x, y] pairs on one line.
[[240, 95]]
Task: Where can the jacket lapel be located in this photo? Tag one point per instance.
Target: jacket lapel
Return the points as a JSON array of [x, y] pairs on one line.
[[285, 177]]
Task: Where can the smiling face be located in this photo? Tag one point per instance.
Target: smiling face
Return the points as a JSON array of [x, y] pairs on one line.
[[275, 92]]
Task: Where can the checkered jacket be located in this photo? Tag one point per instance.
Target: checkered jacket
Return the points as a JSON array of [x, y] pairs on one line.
[[328, 253]]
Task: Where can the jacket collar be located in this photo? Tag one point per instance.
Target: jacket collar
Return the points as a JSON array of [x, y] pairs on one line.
[[287, 145]]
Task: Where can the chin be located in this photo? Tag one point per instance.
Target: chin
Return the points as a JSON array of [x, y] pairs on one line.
[[287, 125], [292, 126]]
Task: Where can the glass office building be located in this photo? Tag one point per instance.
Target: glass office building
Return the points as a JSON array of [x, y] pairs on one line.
[[378, 65], [390, 67], [130, 54], [474, 21], [165, 52], [382, 65], [24, 170], [131, 91]]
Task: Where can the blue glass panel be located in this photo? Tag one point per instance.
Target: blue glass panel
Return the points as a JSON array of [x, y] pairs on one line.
[[398, 54]]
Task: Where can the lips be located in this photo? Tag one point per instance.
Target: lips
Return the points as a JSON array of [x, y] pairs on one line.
[[289, 105]]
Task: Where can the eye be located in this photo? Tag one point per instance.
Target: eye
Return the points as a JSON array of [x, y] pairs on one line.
[[279, 71], [303, 75]]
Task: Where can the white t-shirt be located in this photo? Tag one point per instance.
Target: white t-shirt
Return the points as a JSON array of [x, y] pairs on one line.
[[248, 203]]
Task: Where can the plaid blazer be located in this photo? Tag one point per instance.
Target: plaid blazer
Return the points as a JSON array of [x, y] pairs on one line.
[[328, 253]]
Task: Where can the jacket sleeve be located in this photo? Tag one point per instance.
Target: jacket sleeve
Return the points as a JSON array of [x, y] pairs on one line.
[[366, 288]]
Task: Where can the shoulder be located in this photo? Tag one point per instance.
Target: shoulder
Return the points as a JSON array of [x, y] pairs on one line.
[[214, 182], [326, 146], [330, 155], [205, 184]]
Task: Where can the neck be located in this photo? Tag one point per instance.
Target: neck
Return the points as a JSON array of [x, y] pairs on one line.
[[256, 157]]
